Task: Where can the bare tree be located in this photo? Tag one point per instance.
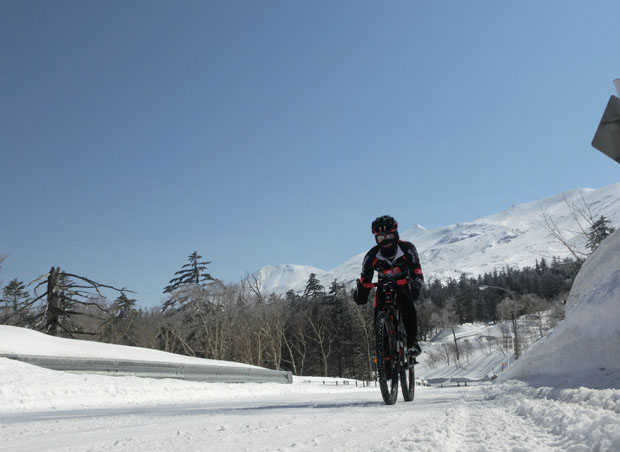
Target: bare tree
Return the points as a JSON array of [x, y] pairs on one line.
[[211, 308], [433, 359], [445, 352], [274, 326], [247, 341], [321, 333], [467, 348], [299, 340], [447, 318], [265, 335], [252, 284], [583, 220], [364, 319], [505, 308], [65, 294], [147, 328], [172, 337], [482, 346]]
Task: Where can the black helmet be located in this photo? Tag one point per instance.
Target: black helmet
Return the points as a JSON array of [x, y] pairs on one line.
[[384, 225]]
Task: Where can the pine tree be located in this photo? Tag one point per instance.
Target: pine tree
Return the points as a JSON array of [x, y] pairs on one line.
[[291, 297], [342, 326], [192, 273], [337, 290], [599, 230], [15, 299], [314, 289], [189, 281], [119, 328], [124, 306]]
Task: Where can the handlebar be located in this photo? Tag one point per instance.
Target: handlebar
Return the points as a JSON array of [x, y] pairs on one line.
[[388, 280], [399, 282]]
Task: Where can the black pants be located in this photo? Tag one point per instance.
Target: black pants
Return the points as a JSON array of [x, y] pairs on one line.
[[404, 299]]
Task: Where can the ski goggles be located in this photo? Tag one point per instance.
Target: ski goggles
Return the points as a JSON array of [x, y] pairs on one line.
[[381, 237]]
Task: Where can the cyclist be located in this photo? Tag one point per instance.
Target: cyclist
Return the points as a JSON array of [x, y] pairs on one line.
[[392, 256]]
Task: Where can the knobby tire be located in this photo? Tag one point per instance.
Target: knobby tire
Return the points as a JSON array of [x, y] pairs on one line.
[[407, 383], [386, 366], [407, 373]]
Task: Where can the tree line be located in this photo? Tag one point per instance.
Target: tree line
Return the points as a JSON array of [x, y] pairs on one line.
[[318, 332]]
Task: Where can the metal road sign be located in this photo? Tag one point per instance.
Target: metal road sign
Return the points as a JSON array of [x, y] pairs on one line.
[[607, 136]]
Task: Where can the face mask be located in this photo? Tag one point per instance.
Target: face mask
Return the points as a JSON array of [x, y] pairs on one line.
[[388, 251]]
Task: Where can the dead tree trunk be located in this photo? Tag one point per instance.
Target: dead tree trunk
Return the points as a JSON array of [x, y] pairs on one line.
[[62, 294], [53, 302]]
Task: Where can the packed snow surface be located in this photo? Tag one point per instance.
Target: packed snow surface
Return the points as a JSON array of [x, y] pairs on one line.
[[44, 410]]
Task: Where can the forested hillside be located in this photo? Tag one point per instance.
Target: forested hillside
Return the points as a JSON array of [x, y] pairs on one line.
[[319, 332]]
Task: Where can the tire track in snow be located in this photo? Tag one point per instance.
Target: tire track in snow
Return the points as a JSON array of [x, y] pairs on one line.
[[497, 418], [476, 425]]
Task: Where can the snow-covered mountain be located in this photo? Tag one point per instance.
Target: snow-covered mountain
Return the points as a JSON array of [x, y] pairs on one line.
[[517, 237], [280, 278]]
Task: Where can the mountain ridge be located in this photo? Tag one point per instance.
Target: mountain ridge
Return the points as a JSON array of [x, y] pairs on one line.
[[516, 237]]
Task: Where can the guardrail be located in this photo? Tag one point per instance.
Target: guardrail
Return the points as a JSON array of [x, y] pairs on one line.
[[151, 369], [349, 382], [458, 381]]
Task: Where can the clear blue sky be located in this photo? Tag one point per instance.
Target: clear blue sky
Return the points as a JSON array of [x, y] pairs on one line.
[[133, 133]]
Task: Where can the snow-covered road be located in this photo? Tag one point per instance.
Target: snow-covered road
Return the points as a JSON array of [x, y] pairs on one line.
[[510, 417]]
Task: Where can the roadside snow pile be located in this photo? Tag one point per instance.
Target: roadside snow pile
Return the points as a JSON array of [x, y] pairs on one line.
[[584, 349], [22, 341], [30, 388], [582, 419]]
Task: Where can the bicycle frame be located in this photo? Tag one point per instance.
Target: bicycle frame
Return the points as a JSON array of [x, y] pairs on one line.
[[388, 287], [390, 337]]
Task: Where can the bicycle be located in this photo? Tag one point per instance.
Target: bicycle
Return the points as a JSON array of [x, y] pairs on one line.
[[392, 360]]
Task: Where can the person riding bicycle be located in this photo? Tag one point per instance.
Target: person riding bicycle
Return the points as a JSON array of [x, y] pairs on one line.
[[392, 256]]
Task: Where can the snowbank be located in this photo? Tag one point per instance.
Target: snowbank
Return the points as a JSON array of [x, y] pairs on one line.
[[584, 349], [21, 341], [30, 388]]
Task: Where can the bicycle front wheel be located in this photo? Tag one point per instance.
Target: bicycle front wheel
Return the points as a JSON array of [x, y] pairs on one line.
[[386, 361], [407, 383]]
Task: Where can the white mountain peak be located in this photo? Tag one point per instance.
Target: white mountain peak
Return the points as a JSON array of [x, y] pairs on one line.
[[516, 237]]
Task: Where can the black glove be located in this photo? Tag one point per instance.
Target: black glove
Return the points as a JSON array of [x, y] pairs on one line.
[[415, 285], [360, 296]]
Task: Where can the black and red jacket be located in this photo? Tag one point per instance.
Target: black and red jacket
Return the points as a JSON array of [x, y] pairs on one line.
[[405, 262]]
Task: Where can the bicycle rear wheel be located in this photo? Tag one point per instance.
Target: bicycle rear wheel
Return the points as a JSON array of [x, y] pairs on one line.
[[386, 363]]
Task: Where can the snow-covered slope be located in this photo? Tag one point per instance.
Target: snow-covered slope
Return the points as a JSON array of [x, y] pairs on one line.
[[516, 237], [481, 354], [281, 278], [584, 349], [22, 341]]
